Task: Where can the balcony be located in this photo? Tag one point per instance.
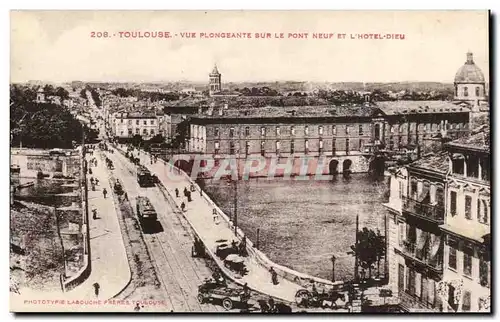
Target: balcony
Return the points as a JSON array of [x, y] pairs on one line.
[[427, 211], [423, 256]]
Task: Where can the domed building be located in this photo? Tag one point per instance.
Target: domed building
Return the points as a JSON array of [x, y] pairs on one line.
[[469, 83]]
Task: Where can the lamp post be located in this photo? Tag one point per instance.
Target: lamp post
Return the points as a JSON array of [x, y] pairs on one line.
[[333, 267]]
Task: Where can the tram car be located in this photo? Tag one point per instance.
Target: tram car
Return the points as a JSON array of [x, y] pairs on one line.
[[145, 209], [144, 177]]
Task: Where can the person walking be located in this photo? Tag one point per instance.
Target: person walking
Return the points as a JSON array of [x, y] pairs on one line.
[[215, 216], [189, 196], [104, 192], [94, 213], [183, 206], [96, 181], [274, 276], [177, 192], [96, 289], [125, 196]]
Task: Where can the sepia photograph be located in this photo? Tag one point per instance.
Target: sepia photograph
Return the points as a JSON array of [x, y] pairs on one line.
[[250, 162]]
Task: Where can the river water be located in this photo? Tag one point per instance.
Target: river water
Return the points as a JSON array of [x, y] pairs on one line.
[[302, 223]]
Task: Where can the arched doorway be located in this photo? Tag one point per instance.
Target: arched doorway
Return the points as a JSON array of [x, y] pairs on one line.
[[333, 167], [346, 166]]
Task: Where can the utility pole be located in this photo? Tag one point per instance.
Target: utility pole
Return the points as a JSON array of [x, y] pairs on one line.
[[333, 268], [258, 233], [236, 207], [356, 264]]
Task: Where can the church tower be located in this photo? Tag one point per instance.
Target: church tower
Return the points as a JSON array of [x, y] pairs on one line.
[[215, 81], [470, 84]]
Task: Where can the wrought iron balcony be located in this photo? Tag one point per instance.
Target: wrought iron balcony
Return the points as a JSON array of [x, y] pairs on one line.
[[423, 256], [424, 210]]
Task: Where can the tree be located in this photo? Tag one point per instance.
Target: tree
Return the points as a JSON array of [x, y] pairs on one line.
[[137, 140], [62, 93], [370, 249]]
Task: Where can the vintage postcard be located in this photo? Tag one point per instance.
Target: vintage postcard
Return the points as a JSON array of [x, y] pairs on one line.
[[250, 161]]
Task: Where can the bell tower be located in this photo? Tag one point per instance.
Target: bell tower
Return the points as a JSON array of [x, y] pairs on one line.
[[214, 81]]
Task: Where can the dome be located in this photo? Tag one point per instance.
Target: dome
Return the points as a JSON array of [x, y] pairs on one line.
[[469, 72]]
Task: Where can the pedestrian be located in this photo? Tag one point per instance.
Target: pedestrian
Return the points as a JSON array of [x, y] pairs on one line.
[[96, 182], [92, 180], [125, 196], [96, 289], [183, 206], [185, 192], [90, 171], [177, 192], [271, 305], [215, 216], [137, 307], [274, 276], [104, 192], [189, 196], [94, 213]]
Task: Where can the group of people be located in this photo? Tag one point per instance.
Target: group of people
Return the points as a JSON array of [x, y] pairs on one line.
[[187, 194]]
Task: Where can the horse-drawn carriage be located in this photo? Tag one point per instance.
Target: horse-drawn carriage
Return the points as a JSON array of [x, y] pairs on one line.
[[198, 249], [118, 188], [215, 292], [334, 297]]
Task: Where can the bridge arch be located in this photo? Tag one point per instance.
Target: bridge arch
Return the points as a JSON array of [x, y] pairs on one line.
[[333, 167], [346, 166]]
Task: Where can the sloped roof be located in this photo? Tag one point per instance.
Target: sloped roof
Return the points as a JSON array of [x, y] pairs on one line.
[[435, 162], [479, 141], [419, 107]]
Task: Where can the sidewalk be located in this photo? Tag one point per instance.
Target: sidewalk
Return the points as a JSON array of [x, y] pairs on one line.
[[108, 256], [199, 214]]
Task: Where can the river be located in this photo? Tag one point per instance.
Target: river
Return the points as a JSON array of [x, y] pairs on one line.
[[302, 223]]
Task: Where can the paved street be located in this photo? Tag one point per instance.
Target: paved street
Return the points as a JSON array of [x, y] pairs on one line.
[[170, 245]]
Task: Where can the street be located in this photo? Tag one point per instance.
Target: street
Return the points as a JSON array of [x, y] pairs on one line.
[[169, 246]]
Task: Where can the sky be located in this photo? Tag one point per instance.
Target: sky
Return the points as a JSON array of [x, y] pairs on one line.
[[57, 46]]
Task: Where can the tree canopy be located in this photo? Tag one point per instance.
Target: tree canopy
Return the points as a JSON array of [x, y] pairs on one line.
[[42, 125]]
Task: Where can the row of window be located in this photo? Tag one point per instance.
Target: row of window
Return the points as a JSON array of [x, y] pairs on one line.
[[292, 146], [145, 122], [472, 166], [137, 131], [321, 131], [467, 255], [466, 91], [483, 207]]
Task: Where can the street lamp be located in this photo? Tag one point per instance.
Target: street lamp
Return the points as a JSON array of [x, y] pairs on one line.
[[333, 268]]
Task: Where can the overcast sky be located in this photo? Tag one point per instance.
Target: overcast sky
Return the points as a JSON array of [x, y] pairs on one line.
[[56, 46]]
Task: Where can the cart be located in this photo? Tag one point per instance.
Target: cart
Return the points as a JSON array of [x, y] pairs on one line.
[[235, 263], [213, 292], [310, 297], [224, 248]]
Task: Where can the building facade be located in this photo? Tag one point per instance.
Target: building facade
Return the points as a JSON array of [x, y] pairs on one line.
[[466, 284], [126, 125], [345, 134], [439, 226]]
